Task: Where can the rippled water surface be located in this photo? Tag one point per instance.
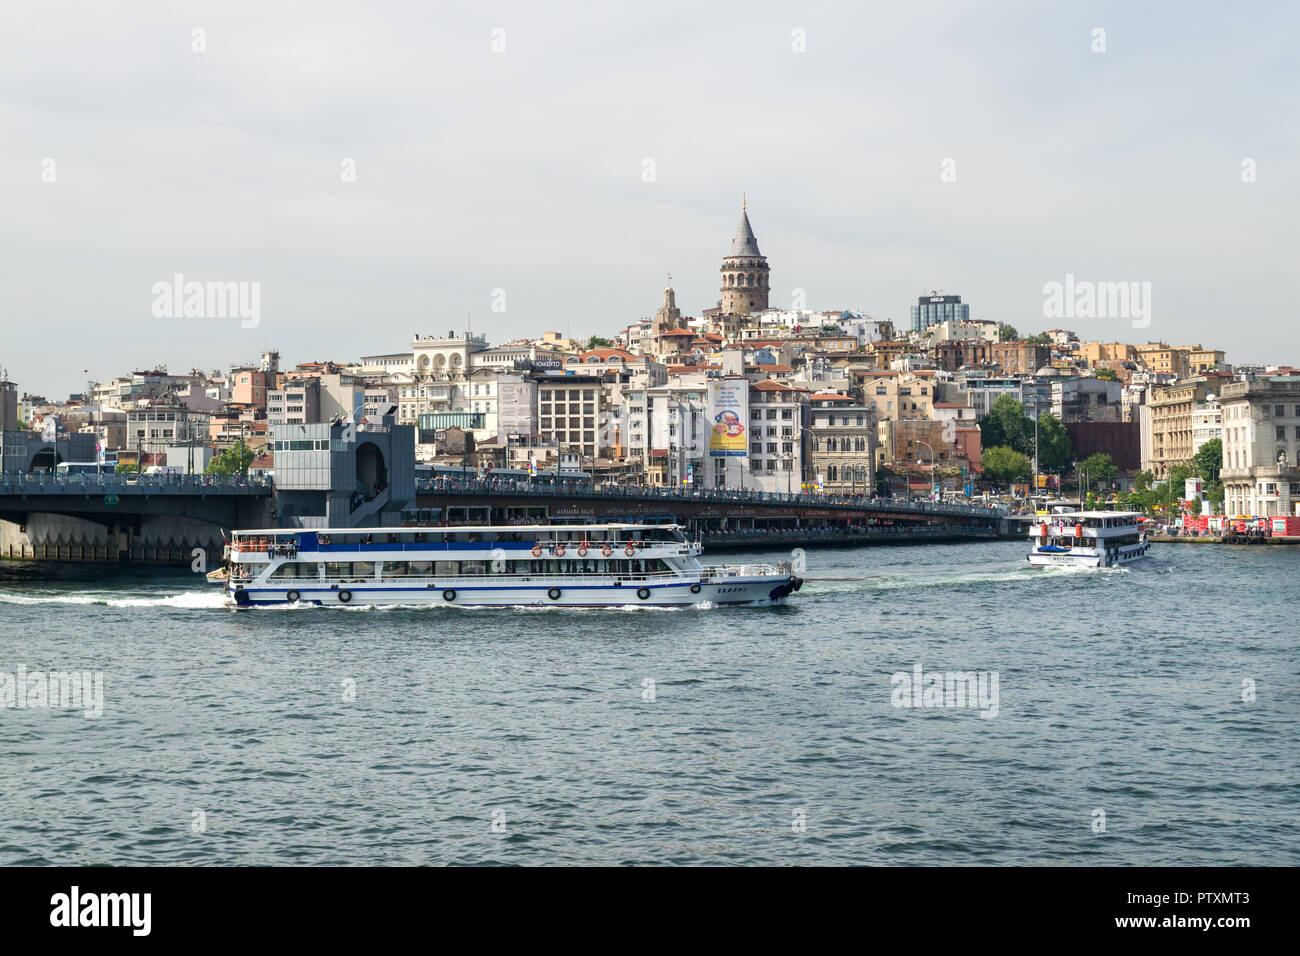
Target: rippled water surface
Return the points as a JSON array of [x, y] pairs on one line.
[[771, 736]]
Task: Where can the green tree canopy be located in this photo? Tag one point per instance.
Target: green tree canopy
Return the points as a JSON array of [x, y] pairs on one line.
[[1004, 464], [1042, 338], [1208, 460], [1054, 445], [596, 342], [1005, 425], [1108, 374], [1098, 466], [232, 461], [1007, 333]]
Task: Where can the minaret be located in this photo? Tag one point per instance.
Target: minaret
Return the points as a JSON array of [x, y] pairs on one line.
[[744, 271]]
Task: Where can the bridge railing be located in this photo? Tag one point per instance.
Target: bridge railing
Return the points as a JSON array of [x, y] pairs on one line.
[[38, 482], [458, 486]]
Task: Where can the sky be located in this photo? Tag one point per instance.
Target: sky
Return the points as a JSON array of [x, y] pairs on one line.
[[376, 170]]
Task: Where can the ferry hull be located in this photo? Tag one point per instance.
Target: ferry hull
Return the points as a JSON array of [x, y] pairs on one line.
[[1085, 558], [769, 590]]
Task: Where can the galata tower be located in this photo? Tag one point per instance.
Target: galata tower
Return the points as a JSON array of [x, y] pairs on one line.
[[744, 272]]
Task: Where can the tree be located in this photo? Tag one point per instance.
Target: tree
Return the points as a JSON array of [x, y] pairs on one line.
[[1042, 338], [233, 461], [124, 467], [1107, 374], [1098, 466], [1005, 464], [1143, 480], [1007, 333], [1054, 445], [596, 342], [1208, 460], [1005, 425]]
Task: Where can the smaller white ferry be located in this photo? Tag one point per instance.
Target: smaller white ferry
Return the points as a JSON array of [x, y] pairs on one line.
[[1088, 539], [602, 565]]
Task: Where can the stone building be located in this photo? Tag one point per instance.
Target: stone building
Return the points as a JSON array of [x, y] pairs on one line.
[[1261, 444], [842, 443]]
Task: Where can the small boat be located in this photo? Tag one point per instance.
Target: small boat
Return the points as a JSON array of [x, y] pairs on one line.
[[1089, 539], [597, 565], [218, 577]]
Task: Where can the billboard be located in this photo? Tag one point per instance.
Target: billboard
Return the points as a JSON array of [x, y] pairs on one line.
[[728, 412]]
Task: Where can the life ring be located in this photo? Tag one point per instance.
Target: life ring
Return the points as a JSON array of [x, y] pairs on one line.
[[643, 593], [537, 551], [559, 550], [606, 551], [553, 594], [241, 597], [582, 551], [449, 595], [629, 551], [345, 596], [695, 589], [292, 597]]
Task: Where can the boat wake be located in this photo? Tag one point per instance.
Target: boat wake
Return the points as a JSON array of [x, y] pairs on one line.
[[189, 600]]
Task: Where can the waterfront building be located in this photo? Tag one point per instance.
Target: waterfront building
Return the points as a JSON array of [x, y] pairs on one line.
[[1171, 410], [776, 436], [842, 443], [1261, 445], [569, 409]]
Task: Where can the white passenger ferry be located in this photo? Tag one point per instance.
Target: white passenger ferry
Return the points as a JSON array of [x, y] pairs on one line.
[[1089, 539], [603, 565]]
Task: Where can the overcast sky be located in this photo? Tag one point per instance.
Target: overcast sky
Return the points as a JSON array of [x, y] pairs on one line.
[[526, 170]]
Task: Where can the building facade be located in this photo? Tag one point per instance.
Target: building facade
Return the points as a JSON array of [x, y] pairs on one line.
[[1261, 443]]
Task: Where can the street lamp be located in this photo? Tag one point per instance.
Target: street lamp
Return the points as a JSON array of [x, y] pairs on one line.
[[931, 450]]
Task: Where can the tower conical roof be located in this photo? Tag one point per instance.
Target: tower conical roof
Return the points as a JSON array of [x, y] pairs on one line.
[[744, 244]]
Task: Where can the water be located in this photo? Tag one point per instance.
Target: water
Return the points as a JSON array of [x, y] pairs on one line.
[[1119, 691]]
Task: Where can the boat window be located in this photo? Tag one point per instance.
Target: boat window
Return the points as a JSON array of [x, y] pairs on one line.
[[473, 567], [421, 568], [291, 570], [363, 569], [396, 569], [446, 567]]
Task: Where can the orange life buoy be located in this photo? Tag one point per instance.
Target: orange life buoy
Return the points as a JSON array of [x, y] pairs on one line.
[[582, 551], [1078, 531], [559, 550], [629, 551], [537, 551], [607, 551]]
